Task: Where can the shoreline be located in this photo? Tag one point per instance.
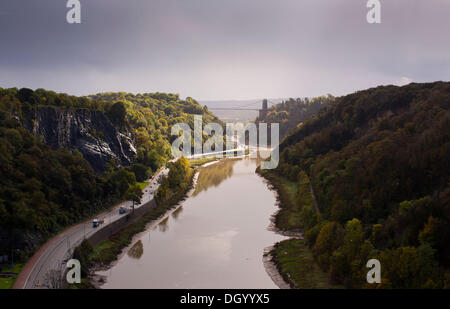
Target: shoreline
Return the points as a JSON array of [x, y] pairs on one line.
[[291, 257], [35, 258], [269, 261], [272, 270], [98, 280], [273, 226]]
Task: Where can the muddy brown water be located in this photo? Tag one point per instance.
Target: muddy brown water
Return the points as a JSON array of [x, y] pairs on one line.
[[216, 239]]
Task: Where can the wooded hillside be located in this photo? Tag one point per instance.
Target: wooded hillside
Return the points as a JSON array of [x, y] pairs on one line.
[[379, 164]]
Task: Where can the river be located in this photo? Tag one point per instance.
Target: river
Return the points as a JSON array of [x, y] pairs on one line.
[[215, 239]]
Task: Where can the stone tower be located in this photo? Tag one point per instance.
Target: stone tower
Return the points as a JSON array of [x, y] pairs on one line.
[[263, 111]]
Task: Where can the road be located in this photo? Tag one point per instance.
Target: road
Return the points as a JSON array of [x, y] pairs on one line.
[[54, 254]]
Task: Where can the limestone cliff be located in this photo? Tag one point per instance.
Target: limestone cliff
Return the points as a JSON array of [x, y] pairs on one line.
[[90, 132]]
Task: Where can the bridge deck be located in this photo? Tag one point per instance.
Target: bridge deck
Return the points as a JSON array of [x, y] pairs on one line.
[[233, 109]]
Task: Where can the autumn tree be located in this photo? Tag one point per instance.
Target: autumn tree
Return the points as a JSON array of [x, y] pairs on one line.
[[134, 194]]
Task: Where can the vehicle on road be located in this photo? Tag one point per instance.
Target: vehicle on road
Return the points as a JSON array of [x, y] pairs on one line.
[[96, 222], [122, 210]]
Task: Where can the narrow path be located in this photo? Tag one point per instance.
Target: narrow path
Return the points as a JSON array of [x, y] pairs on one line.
[[316, 205]]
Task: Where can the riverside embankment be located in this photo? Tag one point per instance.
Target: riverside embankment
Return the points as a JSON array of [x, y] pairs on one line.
[[53, 254], [215, 238], [291, 260]]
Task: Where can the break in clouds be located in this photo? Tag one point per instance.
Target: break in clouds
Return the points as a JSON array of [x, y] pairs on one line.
[[238, 49]]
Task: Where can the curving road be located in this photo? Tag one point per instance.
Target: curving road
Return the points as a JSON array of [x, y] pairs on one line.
[[53, 254]]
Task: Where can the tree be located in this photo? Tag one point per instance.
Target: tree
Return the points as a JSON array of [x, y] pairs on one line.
[[122, 180], [162, 193], [348, 261], [134, 194], [329, 239], [178, 172], [54, 279], [81, 253], [117, 113], [353, 239], [141, 171], [430, 232], [43, 189]]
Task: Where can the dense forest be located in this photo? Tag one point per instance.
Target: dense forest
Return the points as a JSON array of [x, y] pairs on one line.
[[379, 166], [44, 189], [291, 113], [151, 115]]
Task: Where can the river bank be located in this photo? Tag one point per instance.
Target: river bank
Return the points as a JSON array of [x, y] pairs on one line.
[[104, 255], [292, 258], [289, 263], [217, 239]]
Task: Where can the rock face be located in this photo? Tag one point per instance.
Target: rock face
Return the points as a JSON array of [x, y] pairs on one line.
[[90, 132]]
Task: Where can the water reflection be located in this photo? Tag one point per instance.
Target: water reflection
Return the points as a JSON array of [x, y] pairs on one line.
[[177, 212], [217, 241], [213, 175], [163, 226], [136, 251]]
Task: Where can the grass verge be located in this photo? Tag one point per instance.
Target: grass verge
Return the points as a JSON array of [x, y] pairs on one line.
[[8, 275], [142, 184], [296, 264], [198, 162], [288, 218], [293, 258]]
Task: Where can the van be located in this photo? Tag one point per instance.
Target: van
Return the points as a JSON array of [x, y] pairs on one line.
[[95, 223]]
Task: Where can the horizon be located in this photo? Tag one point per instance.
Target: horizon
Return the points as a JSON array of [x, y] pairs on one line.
[[235, 50], [232, 99]]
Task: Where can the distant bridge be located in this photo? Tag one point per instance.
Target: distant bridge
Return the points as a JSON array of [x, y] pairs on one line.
[[262, 111], [233, 109]]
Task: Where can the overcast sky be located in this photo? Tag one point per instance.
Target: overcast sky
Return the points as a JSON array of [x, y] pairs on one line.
[[222, 49]]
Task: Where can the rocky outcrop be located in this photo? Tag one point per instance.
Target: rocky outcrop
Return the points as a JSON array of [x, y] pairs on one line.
[[87, 131]]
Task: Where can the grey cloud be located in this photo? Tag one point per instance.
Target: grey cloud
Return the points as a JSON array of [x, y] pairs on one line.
[[220, 49]]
